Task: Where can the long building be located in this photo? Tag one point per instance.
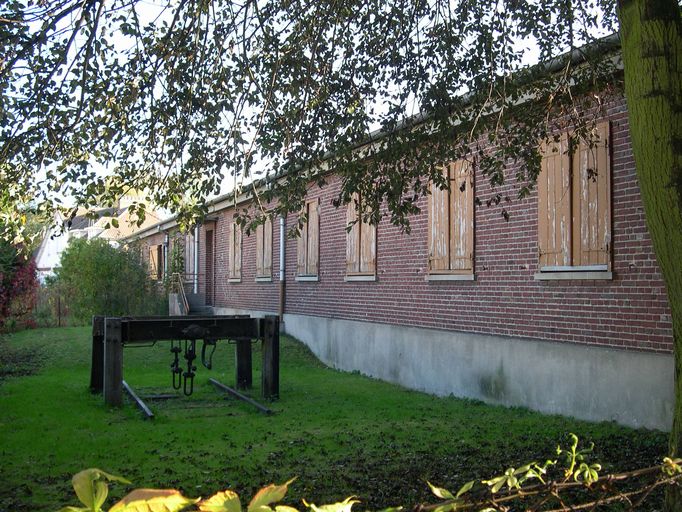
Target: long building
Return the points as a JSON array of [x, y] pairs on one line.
[[560, 308]]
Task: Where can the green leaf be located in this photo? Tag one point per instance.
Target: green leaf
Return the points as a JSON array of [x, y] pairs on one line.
[[153, 500], [285, 508], [342, 506], [448, 508], [498, 484], [440, 492], [224, 501], [91, 490], [465, 488], [268, 495]]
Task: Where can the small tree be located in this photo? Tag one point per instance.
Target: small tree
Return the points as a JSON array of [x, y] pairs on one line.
[[98, 279]]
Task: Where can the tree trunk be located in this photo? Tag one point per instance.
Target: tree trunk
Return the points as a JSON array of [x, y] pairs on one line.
[[651, 36]]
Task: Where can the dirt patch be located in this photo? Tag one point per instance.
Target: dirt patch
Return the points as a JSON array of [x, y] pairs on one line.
[[18, 362]]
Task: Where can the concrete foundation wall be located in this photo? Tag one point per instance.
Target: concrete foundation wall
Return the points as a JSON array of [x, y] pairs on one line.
[[591, 383]]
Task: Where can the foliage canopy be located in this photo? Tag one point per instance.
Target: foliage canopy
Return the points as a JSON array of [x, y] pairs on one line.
[[178, 97]]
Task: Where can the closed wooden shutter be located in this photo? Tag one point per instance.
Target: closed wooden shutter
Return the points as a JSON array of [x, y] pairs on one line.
[[267, 248], [461, 216], [231, 252], [313, 246], [361, 241], [554, 204], [237, 252], [368, 248], [161, 262], [352, 238], [189, 255], [439, 220], [592, 199], [302, 247], [259, 250], [153, 262]]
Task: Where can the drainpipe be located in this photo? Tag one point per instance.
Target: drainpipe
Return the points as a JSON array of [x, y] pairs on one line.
[[195, 286], [282, 268]]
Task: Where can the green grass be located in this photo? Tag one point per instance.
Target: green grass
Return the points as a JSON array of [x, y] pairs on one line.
[[341, 434]]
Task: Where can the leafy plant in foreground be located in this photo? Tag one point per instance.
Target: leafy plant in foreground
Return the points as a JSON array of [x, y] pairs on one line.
[[550, 486]]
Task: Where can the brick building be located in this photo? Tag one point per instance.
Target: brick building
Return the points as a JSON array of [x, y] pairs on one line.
[[561, 308]]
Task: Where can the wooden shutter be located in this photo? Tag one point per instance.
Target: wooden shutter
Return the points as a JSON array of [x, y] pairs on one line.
[[439, 216], [461, 216], [189, 255], [352, 238], [302, 246], [554, 204], [153, 262], [237, 251], [313, 246], [592, 199], [161, 262], [259, 250], [230, 250], [267, 248], [368, 248]]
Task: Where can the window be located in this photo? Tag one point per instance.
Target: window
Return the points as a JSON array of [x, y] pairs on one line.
[[574, 204], [156, 263], [264, 249], [308, 246], [235, 249], [189, 256], [361, 243], [451, 224]]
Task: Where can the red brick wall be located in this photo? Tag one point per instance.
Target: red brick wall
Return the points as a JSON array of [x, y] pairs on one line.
[[247, 294], [629, 311]]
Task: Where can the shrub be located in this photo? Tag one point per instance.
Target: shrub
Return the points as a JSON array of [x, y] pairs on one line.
[[18, 287], [98, 279]]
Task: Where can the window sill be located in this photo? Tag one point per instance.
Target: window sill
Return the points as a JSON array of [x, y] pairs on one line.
[[602, 275], [234, 280], [450, 277], [264, 279], [360, 277], [312, 279]]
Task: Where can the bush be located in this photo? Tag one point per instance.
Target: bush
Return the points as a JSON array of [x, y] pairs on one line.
[[97, 279], [18, 286]]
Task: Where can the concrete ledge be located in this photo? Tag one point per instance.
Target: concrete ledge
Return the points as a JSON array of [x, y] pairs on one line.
[[307, 278], [264, 279], [450, 277], [360, 277], [591, 383], [566, 276], [234, 280]]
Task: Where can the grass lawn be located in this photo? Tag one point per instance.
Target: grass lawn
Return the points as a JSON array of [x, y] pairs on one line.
[[341, 434]]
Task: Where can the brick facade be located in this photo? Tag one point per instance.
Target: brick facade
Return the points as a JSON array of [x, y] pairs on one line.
[[629, 311]]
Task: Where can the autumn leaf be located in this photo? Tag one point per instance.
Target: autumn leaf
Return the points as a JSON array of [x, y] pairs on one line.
[[153, 500]]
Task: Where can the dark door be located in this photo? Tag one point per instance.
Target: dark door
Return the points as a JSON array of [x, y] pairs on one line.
[[209, 267]]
